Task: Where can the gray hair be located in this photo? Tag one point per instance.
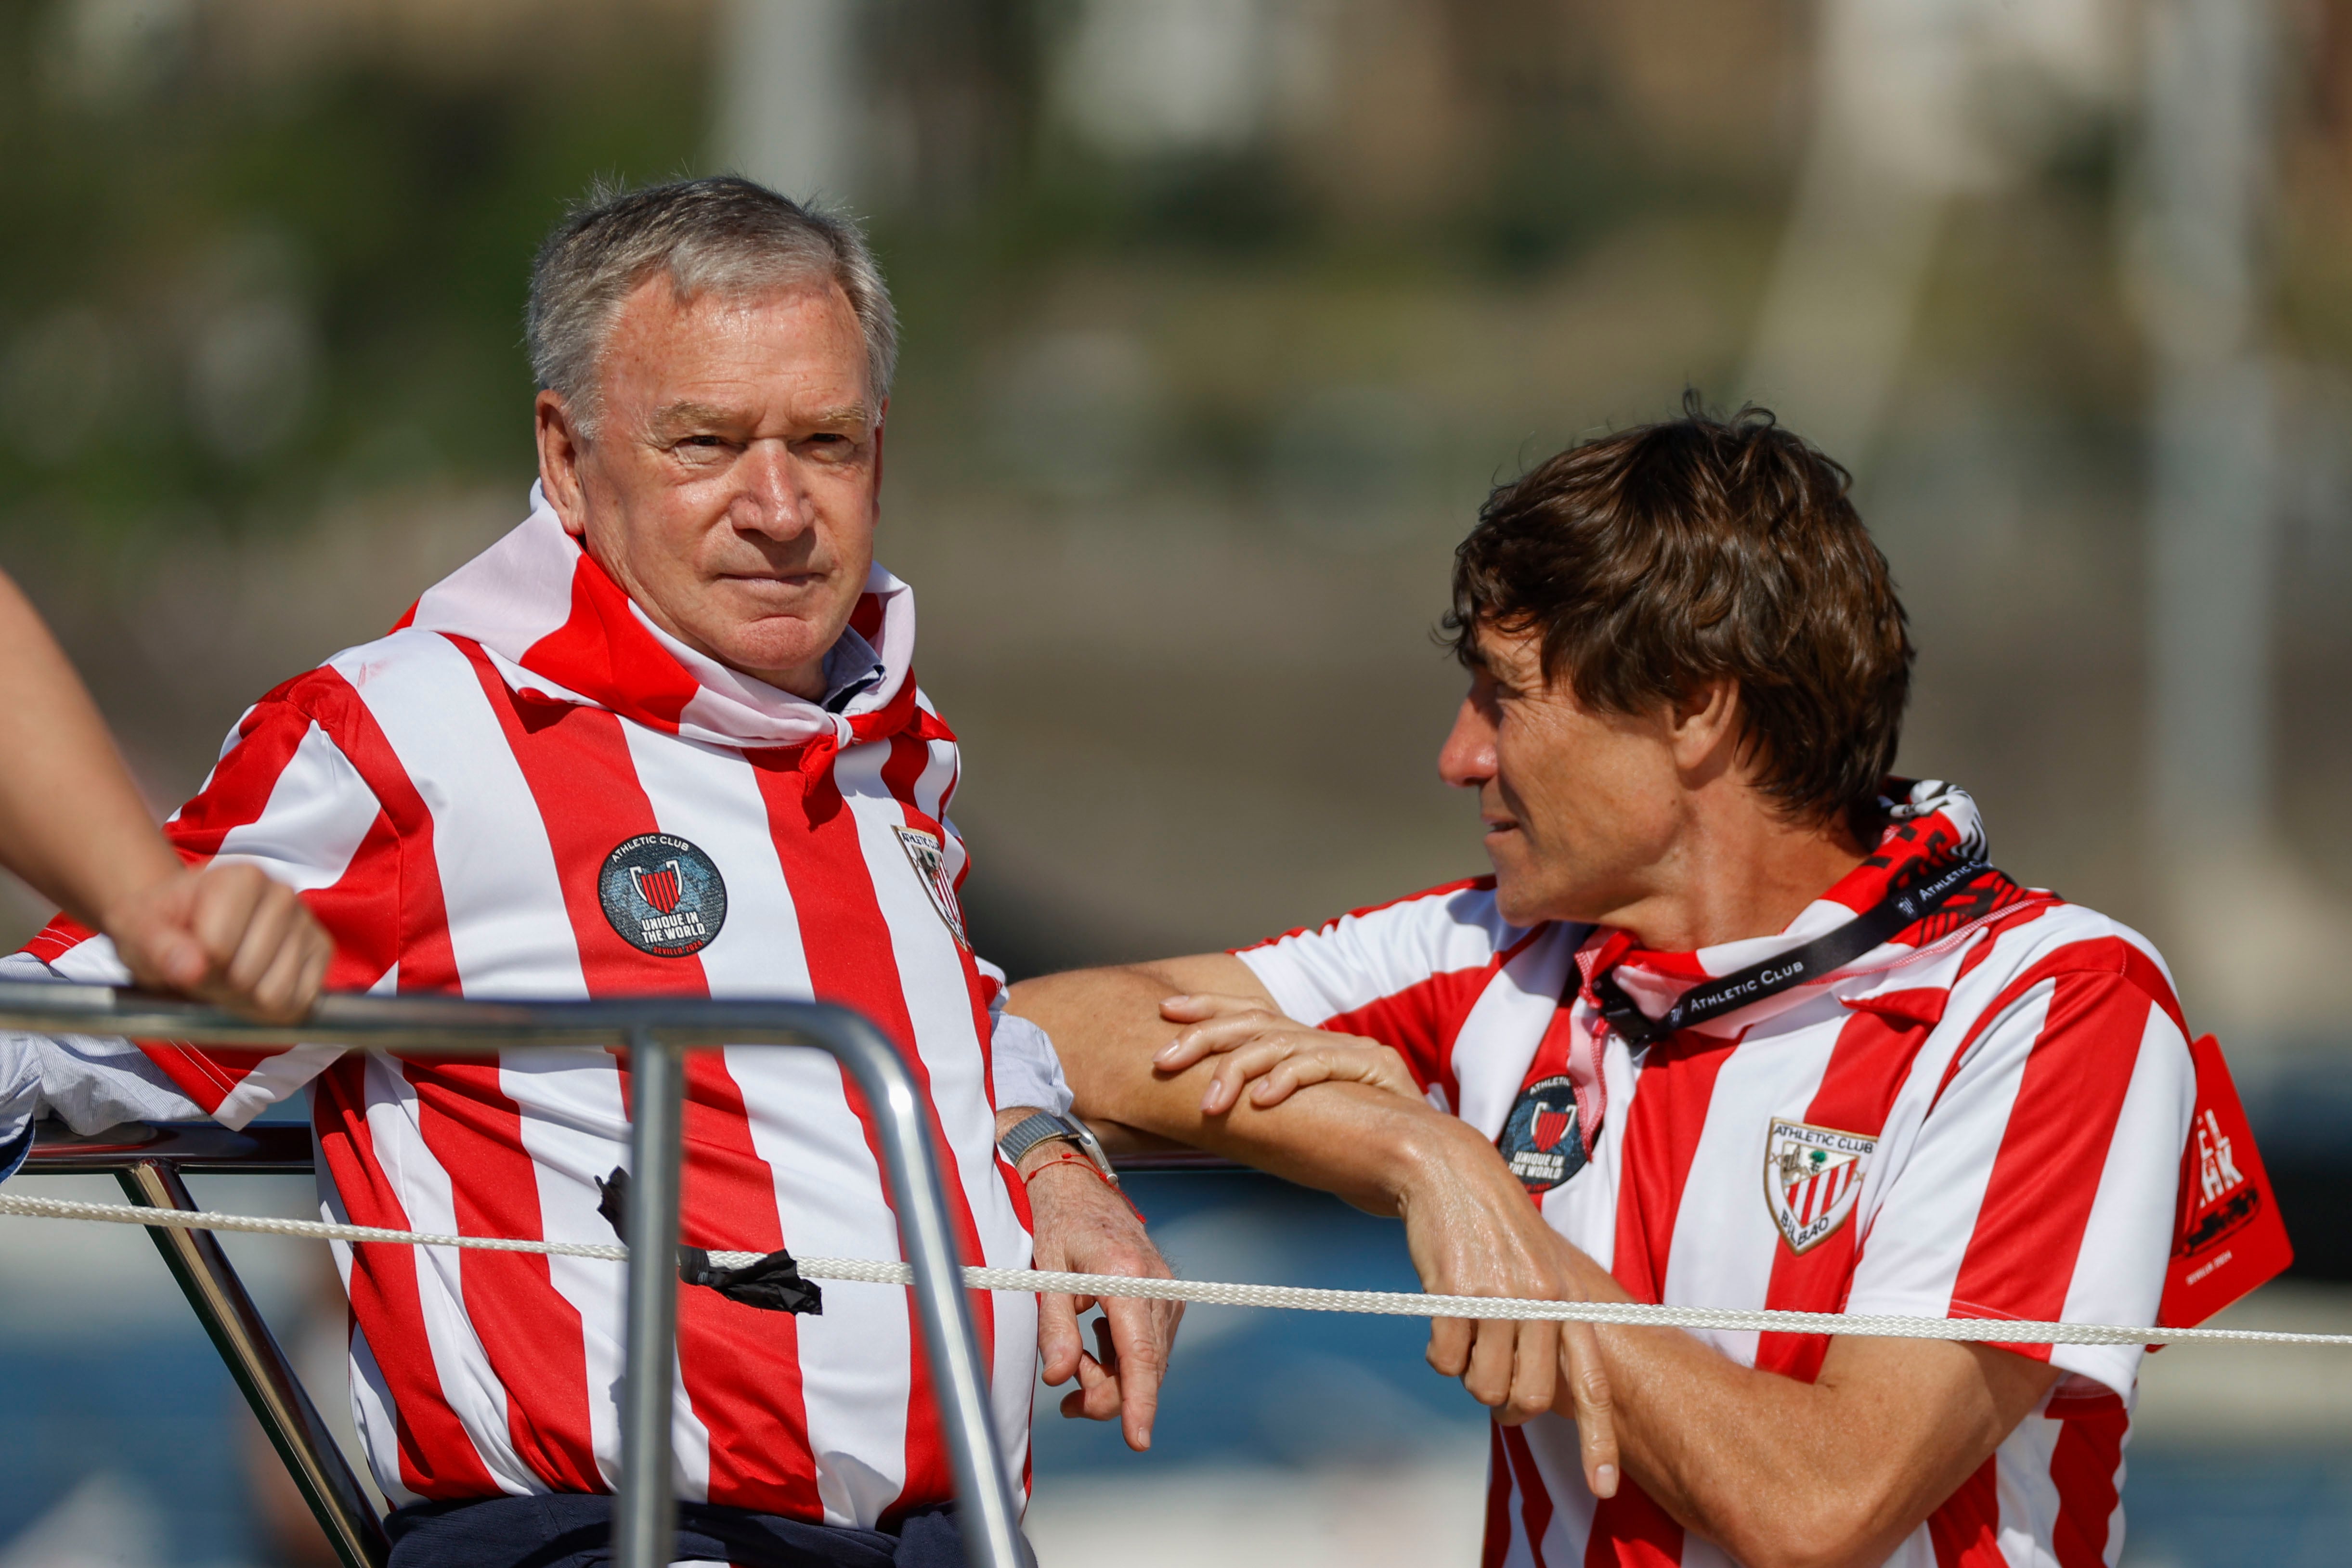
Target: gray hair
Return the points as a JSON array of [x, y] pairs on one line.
[[724, 233]]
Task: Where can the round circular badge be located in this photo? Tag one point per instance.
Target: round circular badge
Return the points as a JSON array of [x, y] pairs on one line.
[[1540, 1142], [663, 895]]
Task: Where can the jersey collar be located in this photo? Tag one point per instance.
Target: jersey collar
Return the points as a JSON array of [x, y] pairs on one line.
[[1929, 822], [557, 628]]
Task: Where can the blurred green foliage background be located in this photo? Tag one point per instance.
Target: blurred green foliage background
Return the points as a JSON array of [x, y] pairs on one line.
[[1220, 319]]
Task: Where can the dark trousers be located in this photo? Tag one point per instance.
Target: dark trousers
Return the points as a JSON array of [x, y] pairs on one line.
[[572, 1530]]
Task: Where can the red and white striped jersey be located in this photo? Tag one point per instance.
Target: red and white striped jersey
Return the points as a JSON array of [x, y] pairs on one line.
[[528, 791], [1982, 1117]]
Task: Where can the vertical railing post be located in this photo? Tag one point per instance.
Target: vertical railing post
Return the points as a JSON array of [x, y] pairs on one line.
[[303, 1440], [984, 1502], [644, 1519]]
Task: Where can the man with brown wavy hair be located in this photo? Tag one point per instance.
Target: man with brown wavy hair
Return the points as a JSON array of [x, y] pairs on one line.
[[1740, 1021]]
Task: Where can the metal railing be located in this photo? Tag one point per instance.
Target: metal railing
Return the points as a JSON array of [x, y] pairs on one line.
[[655, 1032], [148, 1161]]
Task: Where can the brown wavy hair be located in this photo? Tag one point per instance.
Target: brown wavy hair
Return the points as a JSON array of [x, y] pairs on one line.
[[1697, 549]]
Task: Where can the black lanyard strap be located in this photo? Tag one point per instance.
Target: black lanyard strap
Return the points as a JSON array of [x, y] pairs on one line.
[[1903, 906]]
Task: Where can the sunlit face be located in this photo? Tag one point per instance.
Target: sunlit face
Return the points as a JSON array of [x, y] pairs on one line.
[[1582, 808], [732, 487]]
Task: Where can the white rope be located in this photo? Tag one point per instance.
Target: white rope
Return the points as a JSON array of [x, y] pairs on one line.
[[1297, 1298]]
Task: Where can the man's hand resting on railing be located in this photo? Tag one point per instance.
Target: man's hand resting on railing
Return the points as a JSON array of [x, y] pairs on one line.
[[1086, 1225], [229, 935]]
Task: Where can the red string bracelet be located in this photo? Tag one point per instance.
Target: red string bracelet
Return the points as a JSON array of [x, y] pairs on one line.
[[1094, 1170]]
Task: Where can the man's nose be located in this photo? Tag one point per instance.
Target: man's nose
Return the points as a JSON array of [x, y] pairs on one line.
[[770, 498], [1467, 759]]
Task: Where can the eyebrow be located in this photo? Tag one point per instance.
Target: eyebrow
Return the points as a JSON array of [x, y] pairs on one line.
[[675, 417]]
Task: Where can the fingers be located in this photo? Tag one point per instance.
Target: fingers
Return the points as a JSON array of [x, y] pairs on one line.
[[153, 939], [1059, 1346], [1535, 1373], [1449, 1345], [1206, 1004], [263, 952], [1275, 1068], [1236, 1067], [1083, 1225], [1097, 1396], [179, 960], [154, 934], [313, 976], [1133, 1330], [268, 940], [296, 963], [1494, 1357], [1588, 1388], [220, 906], [1301, 1068], [1270, 1056], [1224, 1023], [1512, 1368]]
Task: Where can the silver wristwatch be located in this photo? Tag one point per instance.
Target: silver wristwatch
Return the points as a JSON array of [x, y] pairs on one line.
[[1040, 1126]]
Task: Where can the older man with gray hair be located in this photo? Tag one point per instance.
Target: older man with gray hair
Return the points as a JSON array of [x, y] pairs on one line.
[[663, 738]]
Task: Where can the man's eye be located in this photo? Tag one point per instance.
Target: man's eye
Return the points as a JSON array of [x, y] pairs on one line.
[[829, 448]]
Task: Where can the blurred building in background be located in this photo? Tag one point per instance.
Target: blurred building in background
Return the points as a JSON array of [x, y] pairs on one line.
[[1221, 317]]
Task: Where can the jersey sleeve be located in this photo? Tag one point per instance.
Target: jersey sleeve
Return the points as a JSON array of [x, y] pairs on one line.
[[1024, 1067], [284, 798], [1405, 974], [2041, 1184], [87, 1081]]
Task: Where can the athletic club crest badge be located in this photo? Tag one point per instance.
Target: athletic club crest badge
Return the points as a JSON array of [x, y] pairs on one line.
[[1540, 1142], [929, 859], [1811, 1178], [663, 895]]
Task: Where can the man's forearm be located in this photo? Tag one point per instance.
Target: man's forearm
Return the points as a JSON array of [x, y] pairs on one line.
[[1106, 1026], [1364, 1144], [71, 821], [1782, 1472]]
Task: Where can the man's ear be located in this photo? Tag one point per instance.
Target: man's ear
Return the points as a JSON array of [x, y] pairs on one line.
[[1704, 723], [561, 449]]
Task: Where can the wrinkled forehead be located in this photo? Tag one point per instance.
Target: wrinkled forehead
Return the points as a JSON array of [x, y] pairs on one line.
[[794, 341]]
